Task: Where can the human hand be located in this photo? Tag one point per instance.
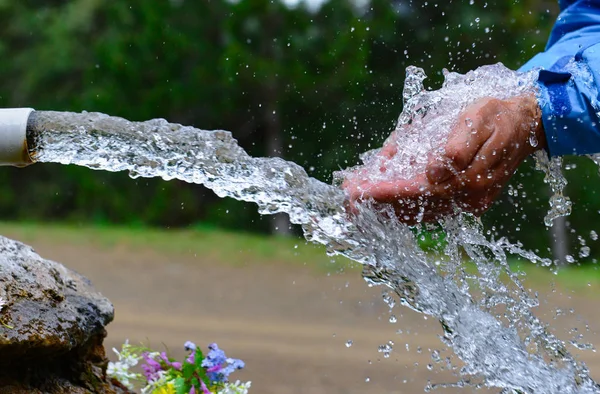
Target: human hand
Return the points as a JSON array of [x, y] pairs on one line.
[[485, 147]]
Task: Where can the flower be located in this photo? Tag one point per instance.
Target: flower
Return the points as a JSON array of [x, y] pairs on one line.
[[152, 367], [191, 357], [120, 370], [160, 384], [173, 364], [168, 388], [233, 364], [214, 357], [165, 376], [235, 388], [218, 366], [204, 388], [189, 346]]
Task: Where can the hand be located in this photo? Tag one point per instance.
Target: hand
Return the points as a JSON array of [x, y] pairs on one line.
[[487, 144]]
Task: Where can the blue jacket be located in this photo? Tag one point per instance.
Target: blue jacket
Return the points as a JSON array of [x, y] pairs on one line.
[[570, 79]]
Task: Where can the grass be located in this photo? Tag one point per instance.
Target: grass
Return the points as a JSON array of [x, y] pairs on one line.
[[238, 248], [234, 248], [585, 278]]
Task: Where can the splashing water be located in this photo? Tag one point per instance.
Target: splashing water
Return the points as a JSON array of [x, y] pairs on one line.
[[560, 205], [428, 116], [487, 321]]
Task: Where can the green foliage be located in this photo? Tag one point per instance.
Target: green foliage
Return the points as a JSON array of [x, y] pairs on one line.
[[215, 244], [433, 241], [180, 386], [191, 375], [316, 87]]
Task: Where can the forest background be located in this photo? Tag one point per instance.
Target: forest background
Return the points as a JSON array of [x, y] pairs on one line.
[[317, 85]]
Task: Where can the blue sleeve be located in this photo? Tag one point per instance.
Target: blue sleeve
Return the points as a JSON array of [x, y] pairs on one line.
[[570, 79]]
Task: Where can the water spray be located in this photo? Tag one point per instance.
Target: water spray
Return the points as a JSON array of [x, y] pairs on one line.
[[513, 351]]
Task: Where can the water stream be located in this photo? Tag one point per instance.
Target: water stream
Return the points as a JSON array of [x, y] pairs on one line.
[[486, 320]]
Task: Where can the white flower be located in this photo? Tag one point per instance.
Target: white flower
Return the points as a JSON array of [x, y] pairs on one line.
[[120, 370], [235, 388], [153, 384]]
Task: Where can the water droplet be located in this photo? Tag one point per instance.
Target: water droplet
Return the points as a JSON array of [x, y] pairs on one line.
[[570, 259], [533, 141], [584, 252], [388, 298], [385, 349]]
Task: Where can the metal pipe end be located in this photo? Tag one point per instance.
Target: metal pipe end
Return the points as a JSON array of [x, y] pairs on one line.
[[13, 137]]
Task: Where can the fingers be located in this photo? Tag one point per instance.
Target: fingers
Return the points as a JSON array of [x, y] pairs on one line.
[[390, 147], [414, 200], [481, 154], [465, 141], [387, 191], [494, 151]]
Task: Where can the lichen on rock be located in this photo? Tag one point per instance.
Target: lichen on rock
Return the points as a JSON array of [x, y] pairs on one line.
[[52, 325]]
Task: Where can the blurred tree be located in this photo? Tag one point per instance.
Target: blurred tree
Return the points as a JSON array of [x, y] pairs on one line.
[[289, 62], [315, 86]]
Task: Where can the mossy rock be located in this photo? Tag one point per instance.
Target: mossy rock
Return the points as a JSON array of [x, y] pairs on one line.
[[52, 326]]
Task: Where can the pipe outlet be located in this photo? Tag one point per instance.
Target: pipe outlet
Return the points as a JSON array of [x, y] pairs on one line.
[[13, 137]]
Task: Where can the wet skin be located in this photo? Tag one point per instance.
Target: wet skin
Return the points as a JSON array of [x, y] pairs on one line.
[[488, 142]]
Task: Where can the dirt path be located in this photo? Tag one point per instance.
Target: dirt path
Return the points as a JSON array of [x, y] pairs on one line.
[[289, 324]]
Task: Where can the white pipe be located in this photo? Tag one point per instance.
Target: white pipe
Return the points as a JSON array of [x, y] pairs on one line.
[[13, 137]]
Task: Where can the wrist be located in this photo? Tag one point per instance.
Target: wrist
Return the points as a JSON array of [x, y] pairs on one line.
[[529, 115]]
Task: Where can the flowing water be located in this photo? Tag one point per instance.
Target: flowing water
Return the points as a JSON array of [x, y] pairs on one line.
[[486, 320]]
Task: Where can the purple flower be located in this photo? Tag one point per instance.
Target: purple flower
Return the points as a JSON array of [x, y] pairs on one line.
[[192, 357], [215, 377], [151, 367], [218, 366], [204, 388], [174, 365], [233, 365], [193, 390], [213, 362], [189, 346], [214, 357]]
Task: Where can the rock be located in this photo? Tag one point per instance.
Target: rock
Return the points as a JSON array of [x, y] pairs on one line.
[[52, 326]]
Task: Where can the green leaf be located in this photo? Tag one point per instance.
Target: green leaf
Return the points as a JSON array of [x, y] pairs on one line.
[[188, 370], [173, 374], [198, 358], [181, 386], [201, 372]]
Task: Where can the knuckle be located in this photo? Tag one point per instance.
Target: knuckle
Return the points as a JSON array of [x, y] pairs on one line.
[[459, 159]]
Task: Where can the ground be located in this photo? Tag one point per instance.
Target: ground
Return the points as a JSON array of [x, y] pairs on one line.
[[290, 316]]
